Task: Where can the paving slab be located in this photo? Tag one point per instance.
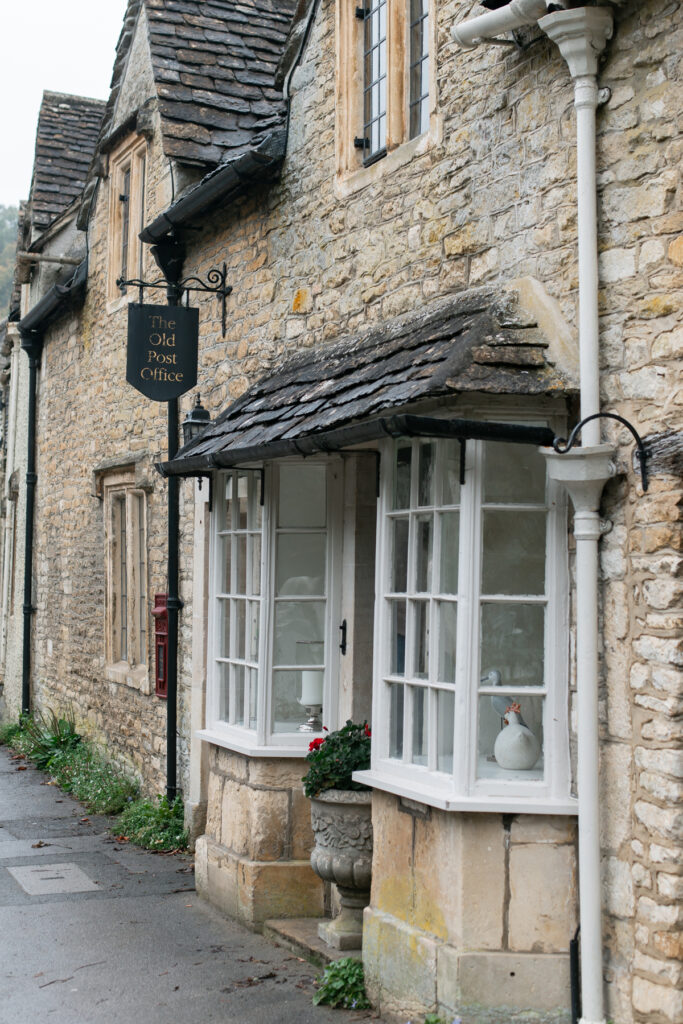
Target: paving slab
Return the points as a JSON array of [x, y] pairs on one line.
[[138, 944]]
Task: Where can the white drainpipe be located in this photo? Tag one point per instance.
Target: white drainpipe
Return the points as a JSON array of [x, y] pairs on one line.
[[581, 35], [487, 26]]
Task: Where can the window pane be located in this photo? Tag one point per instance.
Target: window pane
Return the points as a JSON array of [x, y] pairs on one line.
[[397, 660], [448, 619], [514, 553], [513, 751], [396, 721], [299, 633], [227, 517], [445, 711], [421, 639], [223, 672], [512, 643], [253, 695], [255, 564], [513, 473], [302, 499], [240, 553], [425, 485], [419, 725], [423, 531], [253, 630], [239, 694], [240, 608], [225, 549], [450, 540], [242, 500], [223, 628], [300, 563], [451, 474], [404, 457], [257, 507], [399, 575], [288, 713]]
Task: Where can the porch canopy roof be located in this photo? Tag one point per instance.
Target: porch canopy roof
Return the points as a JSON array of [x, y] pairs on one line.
[[331, 396]]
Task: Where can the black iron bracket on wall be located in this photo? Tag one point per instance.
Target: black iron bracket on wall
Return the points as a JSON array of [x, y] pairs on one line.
[[215, 284], [563, 445]]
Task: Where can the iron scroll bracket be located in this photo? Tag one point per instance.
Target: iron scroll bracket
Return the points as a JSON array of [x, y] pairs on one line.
[[562, 445], [215, 284]]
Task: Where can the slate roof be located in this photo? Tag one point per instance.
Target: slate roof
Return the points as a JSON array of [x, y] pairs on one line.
[[68, 127], [214, 64], [477, 341]]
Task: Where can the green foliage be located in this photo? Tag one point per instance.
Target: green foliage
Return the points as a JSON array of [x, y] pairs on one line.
[[334, 758], [8, 240], [47, 734], [9, 731], [343, 984], [83, 772], [156, 825]]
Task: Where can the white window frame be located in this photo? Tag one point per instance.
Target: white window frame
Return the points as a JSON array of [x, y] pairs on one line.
[[261, 742], [462, 790], [118, 489]]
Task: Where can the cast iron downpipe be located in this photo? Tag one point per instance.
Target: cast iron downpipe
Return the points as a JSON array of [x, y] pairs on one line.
[[32, 344], [169, 257]]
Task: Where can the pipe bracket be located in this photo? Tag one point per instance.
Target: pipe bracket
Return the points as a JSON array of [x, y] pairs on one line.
[[563, 445]]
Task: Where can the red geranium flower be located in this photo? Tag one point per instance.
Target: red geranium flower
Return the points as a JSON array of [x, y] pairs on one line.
[[367, 730], [316, 744]]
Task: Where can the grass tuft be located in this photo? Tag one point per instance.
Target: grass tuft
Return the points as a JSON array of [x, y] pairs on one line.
[[155, 824]]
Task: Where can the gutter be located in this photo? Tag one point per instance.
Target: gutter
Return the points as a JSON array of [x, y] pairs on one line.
[[32, 328], [257, 165], [581, 35]]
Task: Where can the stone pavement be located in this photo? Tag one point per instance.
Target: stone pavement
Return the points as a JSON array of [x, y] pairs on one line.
[[93, 930]]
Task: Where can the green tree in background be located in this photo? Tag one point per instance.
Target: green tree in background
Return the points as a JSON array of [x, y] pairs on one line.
[[8, 241]]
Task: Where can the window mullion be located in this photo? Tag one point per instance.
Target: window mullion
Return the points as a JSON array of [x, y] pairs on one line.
[[467, 645]]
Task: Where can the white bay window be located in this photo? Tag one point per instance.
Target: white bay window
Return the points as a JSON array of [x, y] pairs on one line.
[[274, 605], [469, 622]]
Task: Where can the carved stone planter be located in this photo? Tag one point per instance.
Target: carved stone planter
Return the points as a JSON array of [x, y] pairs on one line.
[[342, 826]]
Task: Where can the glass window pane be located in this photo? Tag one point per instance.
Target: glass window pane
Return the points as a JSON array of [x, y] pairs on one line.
[[448, 620], [396, 720], [404, 456], [240, 608], [300, 563], [302, 498], [240, 555], [514, 553], [223, 628], [513, 473], [399, 575], [223, 673], [420, 639], [287, 712], [513, 751], [425, 480], [423, 537], [255, 564], [225, 549], [257, 506], [225, 521], [451, 473], [253, 630], [512, 644], [253, 696], [299, 633], [450, 540], [242, 500], [239, 694], [445, 712], [397, 661], [420, 716]]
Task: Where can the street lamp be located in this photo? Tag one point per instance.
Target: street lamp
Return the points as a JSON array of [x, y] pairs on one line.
[[196, 420]]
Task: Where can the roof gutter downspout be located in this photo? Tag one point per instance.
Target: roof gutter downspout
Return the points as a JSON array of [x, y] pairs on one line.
[[516, 14], [581, 35], [32, 343]]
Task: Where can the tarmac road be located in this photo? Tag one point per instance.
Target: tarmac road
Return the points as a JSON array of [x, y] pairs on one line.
[[93, 930]]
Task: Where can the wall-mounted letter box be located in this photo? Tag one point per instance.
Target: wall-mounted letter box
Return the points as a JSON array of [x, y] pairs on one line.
[[160, 613]]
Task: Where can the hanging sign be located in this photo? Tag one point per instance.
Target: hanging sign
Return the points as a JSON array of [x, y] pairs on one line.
[[162, 350]]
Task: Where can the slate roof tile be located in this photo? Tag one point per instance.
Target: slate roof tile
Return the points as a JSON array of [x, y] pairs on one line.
[[68, 127]]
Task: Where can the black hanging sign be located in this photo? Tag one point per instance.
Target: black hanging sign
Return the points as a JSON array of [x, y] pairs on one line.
[[162, 350]]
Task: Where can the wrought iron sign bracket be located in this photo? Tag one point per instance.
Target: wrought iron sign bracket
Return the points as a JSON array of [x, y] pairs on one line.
[[562, 445], [215, 284]]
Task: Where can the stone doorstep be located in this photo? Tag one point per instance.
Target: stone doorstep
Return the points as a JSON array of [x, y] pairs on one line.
[[300, 936]]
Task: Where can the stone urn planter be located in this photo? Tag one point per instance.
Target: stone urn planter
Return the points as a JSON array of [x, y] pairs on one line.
[[342, 827]]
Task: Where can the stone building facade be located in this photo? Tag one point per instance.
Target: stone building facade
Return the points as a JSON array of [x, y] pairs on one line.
[[474, 898]]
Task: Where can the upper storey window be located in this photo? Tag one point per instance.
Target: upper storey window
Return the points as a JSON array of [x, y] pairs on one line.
[[385, 75], [127, 182]]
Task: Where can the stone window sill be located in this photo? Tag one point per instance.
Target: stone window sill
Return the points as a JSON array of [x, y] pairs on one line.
[[347, 182], [136, 677], [248, 746]]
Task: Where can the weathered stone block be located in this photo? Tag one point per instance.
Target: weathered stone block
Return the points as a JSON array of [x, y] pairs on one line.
[[534, 982], [400, 965], [481, 891], [277, 773], [650, 998], [542, 914], [277, 889], [533, 828], [392, 858]]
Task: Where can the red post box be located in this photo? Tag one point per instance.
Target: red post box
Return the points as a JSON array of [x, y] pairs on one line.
[[160, 613]]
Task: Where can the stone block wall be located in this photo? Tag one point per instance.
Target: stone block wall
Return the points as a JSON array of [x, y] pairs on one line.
[[253, 862], [470, 913]]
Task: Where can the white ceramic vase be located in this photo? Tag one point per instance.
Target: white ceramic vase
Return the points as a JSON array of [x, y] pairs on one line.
[[516, 748]]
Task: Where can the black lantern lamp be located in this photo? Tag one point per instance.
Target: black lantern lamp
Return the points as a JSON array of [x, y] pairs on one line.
[[196, 420]]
